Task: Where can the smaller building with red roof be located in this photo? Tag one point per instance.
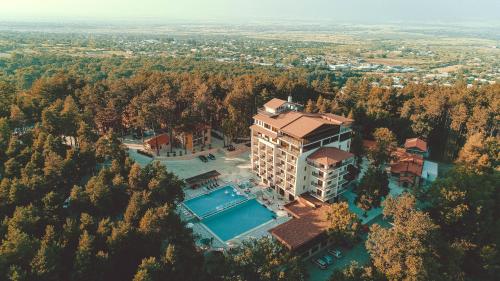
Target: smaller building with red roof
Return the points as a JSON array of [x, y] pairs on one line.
[[306, 233], [407, 167], [416, 146], [157, 142]]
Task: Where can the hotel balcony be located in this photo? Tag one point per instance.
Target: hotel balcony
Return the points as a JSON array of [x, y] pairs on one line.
[[317, 175], [316, 184]]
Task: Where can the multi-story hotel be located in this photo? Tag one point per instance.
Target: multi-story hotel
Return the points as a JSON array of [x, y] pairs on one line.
[[297, 152]]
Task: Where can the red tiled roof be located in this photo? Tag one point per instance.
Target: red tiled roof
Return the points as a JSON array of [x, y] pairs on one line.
[[400, 154], [303, 126], [329, 156], [280, 120], [300, 124], [308, 224], [274, 103], [160, 140], [407, 167], [416, 143], [406, 162], [337, 118]]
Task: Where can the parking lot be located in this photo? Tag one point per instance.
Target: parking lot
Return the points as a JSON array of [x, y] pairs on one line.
[[357, 253]]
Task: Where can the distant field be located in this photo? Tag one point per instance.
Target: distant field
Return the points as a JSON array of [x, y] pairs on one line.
[[451, 68], [397, 61]]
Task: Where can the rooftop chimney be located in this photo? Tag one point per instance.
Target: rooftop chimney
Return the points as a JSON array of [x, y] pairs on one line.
[[290, 98]]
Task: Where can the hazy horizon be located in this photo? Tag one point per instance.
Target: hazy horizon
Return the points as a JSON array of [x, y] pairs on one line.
[[239, 11]]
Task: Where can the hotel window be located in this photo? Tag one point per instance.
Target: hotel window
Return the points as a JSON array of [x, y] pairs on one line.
[[304, 177], [318, 191]]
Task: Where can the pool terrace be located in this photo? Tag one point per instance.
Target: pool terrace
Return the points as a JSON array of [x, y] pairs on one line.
[[230, 214]]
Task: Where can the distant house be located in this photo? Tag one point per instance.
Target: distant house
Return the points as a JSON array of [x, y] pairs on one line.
[[198, 137], [157, 142], [407, 167], [306, 233], [417, 146]]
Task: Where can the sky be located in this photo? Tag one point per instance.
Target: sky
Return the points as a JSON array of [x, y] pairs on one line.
[[352, 11]]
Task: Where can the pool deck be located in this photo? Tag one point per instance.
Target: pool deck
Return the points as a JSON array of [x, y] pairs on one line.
[[234, 171], [257, 192]]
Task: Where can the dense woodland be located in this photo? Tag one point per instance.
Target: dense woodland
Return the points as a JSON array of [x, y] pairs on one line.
[[147, 93], [75, 207]]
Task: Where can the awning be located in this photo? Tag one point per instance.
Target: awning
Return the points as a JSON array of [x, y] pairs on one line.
[[202, 177]]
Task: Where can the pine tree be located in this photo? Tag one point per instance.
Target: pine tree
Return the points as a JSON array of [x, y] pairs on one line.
[[310, 107], [46, 264], [84, 262]]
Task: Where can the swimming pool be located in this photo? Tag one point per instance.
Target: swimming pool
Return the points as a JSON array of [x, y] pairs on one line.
[[214, 201], [238, 219], [227, 213]]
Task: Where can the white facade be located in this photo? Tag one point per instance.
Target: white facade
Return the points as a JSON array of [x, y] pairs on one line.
[[281, 160]]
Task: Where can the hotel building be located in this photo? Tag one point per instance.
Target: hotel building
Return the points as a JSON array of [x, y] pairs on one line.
[[296, 152]]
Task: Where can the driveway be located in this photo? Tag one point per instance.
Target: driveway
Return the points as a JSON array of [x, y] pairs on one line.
[[358, 254]]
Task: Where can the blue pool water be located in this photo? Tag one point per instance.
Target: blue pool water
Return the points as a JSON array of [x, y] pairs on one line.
[[238, 219], [214, 201]]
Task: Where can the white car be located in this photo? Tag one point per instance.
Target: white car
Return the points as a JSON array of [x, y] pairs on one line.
[[320, 263], [335, 253]]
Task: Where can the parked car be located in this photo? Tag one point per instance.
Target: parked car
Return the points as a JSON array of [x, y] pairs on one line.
[[328, 259], [203, 158], [230, 148], [211, 156], [320, 263], [335, 252]]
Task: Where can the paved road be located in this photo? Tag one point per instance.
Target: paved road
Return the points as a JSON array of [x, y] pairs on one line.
[[358, 253]]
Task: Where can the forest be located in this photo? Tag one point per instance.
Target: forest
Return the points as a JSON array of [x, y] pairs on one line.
[[75, 207], [146, 93]]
